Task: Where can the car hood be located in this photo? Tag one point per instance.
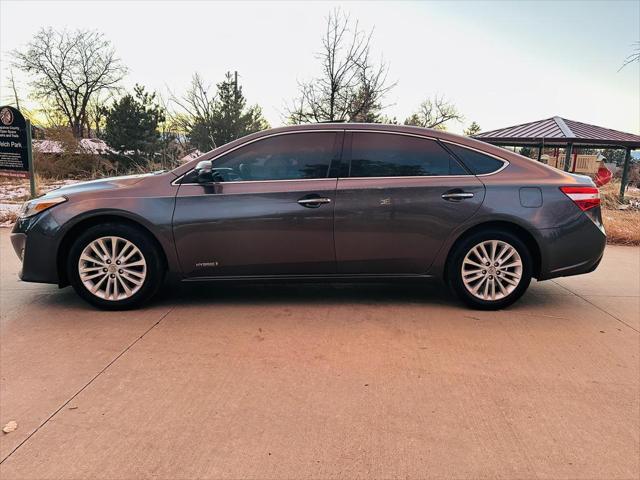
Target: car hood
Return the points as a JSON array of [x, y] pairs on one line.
[[101, 184]]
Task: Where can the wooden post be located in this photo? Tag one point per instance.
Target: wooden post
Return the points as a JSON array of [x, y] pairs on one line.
[[567, 157], [32, 173], [539, 153], [625, 173]]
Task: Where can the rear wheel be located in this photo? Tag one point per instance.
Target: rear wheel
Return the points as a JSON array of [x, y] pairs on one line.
[[114, 266], [490, 269]]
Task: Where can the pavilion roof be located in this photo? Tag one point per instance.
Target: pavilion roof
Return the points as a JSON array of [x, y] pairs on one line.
[[559, 131]]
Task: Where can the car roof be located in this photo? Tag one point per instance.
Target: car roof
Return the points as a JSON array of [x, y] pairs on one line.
[[382, 127]]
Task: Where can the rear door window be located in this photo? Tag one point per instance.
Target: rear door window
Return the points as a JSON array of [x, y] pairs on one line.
[[478, 163], [393, 155]]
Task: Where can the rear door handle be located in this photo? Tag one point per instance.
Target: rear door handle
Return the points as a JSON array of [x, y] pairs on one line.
[[313, 201], [453, 196]]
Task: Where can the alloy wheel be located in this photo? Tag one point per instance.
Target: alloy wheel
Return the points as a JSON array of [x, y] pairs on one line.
[[492, 270], [112, 268]]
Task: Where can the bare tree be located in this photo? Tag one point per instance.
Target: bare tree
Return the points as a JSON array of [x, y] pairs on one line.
[[12, 82], [173, 140], [435, 113], [633, 57], [351, 86], [96, 114], [198, 105], [14, 98], [68, 69]]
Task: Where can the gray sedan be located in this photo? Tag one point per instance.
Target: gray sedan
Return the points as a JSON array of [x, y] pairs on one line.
[[325, 202]]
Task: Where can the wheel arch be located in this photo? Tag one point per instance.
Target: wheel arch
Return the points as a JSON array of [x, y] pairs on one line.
[[521, 232], [71, 234]]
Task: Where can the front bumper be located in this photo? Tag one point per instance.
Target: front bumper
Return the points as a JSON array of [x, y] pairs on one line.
[[36, 247], [18, 241]]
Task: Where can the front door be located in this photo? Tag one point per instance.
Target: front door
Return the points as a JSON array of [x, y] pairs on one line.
[[269, 212], [399, 200]]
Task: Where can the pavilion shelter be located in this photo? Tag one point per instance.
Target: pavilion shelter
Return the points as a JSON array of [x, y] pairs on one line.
[[560, 132]]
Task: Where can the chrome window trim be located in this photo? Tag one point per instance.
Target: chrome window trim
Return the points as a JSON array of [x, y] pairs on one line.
[[406, 134], [263, 181], [505, 163], [406, 177]]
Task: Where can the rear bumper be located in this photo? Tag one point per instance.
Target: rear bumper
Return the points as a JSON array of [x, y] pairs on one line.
[[586, 266], [574, 249]]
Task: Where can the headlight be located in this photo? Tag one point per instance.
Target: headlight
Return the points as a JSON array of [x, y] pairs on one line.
[[33, 207]]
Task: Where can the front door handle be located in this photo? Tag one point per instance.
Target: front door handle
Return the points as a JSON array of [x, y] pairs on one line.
[[456, 195], [313, 201]]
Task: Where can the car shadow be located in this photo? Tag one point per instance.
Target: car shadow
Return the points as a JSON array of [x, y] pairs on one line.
[[202, 293], [198, 294]]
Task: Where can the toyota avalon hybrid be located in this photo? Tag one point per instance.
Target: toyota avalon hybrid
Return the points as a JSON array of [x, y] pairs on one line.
[[321, 202]]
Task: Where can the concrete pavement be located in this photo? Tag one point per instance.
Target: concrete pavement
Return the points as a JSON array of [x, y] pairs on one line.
[[324, 381]]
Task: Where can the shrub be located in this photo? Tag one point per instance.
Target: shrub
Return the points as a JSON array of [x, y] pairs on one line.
[[64, 158]]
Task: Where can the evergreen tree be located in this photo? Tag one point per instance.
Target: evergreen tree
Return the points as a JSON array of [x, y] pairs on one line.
[[229, 117], [472, 130], [365, 107], [526, 151], [131, 126], [616, 156]]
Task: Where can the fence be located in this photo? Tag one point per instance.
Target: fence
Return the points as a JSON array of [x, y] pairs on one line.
[[583, 163]]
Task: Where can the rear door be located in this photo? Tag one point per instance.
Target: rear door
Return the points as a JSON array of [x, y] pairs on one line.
[[399, 199], [270, 212]]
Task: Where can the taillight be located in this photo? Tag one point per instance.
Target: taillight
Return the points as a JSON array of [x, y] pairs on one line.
[[584, 197]]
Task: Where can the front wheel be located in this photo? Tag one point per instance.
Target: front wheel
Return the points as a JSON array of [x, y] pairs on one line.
[[114, 266], [490, 270]]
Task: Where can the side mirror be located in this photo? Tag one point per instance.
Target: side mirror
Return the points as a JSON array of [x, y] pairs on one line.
[[204, 171]]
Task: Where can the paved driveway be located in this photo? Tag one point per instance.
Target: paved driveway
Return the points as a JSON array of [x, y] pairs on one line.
[[324, 381]]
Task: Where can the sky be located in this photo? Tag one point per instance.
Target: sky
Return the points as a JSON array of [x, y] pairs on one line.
[[501, 63]]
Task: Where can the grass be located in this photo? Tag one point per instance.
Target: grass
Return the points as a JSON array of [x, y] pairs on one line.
[[622, 226]]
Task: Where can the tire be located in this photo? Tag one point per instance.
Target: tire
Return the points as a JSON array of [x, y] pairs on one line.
[[491, 287], [122, 281]]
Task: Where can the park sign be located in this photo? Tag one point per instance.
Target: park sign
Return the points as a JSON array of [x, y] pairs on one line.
[[15, 143]]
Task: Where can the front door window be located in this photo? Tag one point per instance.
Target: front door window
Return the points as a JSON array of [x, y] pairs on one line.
[[283, 157]]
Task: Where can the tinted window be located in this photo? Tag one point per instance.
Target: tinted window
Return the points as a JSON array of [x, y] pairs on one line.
[[477, 162], [282, 157], [391, 155]]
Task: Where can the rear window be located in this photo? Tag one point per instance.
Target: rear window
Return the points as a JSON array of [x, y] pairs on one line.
[[478, 163], [391, 155]]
